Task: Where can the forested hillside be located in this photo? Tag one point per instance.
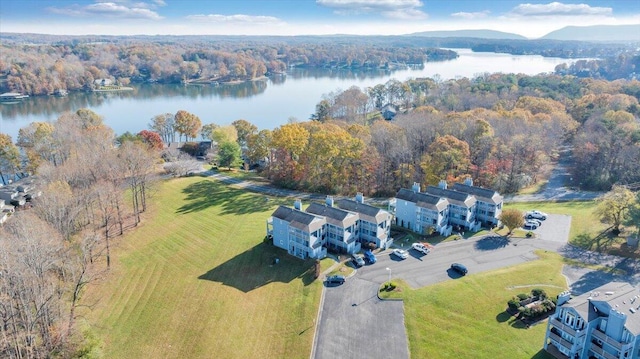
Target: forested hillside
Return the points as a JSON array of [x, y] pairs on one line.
[[76, 64], [502, 130]]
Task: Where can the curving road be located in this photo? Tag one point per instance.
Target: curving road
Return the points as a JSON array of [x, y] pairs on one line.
[[556, 188]]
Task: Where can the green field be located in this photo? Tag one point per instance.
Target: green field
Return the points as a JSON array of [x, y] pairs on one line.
[[197, 281], [466, 318]]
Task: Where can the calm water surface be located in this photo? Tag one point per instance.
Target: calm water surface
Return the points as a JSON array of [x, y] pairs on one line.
[[267, 104]]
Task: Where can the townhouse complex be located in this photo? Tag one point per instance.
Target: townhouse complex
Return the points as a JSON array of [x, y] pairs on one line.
[[464, 207], [343, 226], [602, 324]]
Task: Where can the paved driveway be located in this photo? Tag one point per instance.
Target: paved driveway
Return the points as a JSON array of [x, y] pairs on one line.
[[354, 323], [555, 228]]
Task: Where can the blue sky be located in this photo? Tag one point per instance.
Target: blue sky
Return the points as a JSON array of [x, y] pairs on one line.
[[306, 17]]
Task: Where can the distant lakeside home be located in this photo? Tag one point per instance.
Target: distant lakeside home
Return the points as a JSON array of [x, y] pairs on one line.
[[12, 96]]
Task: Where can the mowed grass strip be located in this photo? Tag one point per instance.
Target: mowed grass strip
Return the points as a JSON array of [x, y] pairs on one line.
[[466, 317], [195, 280]]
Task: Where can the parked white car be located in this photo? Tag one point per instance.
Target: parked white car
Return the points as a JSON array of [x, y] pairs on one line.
[[536, 214], [400, 253], [420, 248]]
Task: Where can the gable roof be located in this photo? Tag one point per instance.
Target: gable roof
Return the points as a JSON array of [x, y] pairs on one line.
[[368, 213], [298, 219], [458, 198], [483, 194], [336, 216], [614, 295], [423, 200]]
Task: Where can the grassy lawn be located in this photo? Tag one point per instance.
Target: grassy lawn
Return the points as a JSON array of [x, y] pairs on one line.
[[241, 174], [466, 318], [197, 281]]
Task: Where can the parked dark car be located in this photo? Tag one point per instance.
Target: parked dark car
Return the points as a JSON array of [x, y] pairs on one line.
[[369, 257], [335, 279], [357, 260], [457, 267]]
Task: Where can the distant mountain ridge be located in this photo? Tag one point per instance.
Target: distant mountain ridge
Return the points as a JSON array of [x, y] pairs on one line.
[[481, 34], [596, 33]]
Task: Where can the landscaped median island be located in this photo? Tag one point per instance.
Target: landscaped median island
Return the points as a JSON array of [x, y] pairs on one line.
[[196, 280]]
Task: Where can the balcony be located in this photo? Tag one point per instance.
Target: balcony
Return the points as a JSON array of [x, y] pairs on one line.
[[558, 339], [601, 352], [565, 328], [605, 339]]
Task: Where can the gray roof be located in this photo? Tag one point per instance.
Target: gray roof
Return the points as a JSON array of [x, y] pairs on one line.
[[298, 219], [367, 212], [483, 194], [458, 198], [617, 295], [336, 216], [423, 200]]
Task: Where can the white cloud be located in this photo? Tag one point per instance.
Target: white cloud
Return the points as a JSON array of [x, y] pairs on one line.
[[239, 18], [560, 9], [110, 10], [395, 9], [405, 14], [471, 15]]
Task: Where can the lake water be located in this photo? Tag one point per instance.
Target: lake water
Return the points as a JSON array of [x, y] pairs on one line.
[[267, 104]]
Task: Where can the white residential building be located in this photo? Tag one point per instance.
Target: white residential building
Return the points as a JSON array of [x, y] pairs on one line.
[[310, 233], [603, 324], [440, 209]]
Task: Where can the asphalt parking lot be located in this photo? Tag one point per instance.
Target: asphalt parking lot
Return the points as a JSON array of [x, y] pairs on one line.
[[354, 323], [555, 228]]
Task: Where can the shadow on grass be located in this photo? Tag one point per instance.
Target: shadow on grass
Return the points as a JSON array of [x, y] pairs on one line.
[[256, 267], [542, 354], [490, 243], [208, 193], [517, 323], [503, 317]]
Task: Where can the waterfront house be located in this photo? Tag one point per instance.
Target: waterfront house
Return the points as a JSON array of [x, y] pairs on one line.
[[603, 323], [12, 96], [388, 112]]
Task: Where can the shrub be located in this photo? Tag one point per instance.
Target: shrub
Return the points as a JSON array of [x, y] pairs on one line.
[[513, 304], [529, 234], [523, 296], [537, 292]]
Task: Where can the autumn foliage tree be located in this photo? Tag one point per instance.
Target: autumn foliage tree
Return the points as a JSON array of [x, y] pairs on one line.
[[187, 124], [512, 218], [614, 206]]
